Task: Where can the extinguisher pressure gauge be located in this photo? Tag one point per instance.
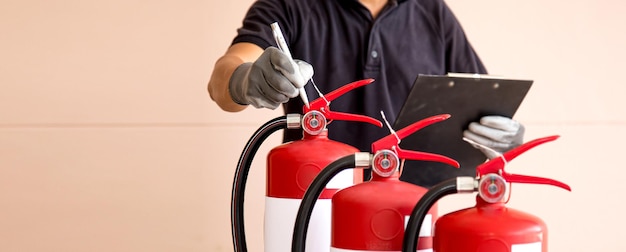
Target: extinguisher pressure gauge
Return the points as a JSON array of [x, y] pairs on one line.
[[314, 122], [492, 188], [385, 163]]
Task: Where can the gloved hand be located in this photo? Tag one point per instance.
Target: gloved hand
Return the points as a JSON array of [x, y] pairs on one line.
[[499, 133], [271, 80]]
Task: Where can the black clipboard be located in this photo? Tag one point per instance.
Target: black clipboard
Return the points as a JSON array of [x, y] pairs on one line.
[[466, 97]]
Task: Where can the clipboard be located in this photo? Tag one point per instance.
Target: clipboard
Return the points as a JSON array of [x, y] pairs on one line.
[[467, 98]]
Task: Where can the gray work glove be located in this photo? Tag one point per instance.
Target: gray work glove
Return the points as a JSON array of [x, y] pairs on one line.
[[498, 133], [271, 80]]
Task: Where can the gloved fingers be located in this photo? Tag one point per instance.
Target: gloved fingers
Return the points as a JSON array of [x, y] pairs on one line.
[[263, 103], [273, 83], [306, 70], [500, 122], [496, 132], [489, 152], [277, 89], [258, 98], [495, 145], [288, 67], [270, 80], [493, 134], [279, 86]]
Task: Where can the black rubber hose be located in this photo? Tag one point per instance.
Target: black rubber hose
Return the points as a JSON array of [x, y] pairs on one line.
[[313, 192], [409, 244], [241, 176]]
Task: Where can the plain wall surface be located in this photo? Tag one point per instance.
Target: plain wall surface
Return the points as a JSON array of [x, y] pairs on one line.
[[110, 142]]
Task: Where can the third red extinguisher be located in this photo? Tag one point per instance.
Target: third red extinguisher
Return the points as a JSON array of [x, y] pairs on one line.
[[490, 226]]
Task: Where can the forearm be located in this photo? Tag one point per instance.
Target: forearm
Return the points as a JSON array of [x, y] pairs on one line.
[[218, 84]]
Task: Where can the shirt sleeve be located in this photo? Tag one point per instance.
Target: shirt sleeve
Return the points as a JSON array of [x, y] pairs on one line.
[[256, 24], [460, 55]]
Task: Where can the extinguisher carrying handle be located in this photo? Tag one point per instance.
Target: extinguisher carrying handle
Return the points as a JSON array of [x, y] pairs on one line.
[[514, 178], [322, 105], [357, 160], [324, 101], [332, 115], [497, 165], [425, 156], [392, 141]]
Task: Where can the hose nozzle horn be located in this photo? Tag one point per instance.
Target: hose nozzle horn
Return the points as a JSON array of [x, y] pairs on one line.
[[322, 105], [497, 165], [392, 141]]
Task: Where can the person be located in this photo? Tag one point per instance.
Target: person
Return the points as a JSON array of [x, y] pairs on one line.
[[391, 41]]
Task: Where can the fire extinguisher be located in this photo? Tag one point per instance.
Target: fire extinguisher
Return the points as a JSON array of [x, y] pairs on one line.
[[490, 226], [370, 216], [290, 169]]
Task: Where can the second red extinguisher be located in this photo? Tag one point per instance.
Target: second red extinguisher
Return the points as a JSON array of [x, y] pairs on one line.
[[371, 216]]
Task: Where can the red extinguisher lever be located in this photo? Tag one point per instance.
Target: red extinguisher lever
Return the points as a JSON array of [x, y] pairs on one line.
[[322, 105], [425, 156], [391, 142], [514, 178], [332, 115], [321, 102], [496, 165]]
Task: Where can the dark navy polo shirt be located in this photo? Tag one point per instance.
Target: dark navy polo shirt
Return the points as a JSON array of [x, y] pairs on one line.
[[344, 43]]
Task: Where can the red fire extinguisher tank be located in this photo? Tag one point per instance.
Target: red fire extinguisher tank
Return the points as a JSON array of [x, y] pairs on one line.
[[291, 167], [371, 216], [384, 205], [490, 227]]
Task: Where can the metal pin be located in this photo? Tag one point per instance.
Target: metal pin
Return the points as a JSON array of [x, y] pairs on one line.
[[389, 126], [319, 93]]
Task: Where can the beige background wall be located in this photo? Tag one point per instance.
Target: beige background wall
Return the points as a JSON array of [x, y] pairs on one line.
[[109, 142]]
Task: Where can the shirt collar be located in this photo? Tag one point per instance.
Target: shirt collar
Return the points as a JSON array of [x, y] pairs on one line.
[[356, 1]]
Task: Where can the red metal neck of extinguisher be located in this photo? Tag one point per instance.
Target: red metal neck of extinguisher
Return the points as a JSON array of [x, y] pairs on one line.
[[393, 177], [321, 135], [392, 141], [483, 204], [322, 105], [497, 165]]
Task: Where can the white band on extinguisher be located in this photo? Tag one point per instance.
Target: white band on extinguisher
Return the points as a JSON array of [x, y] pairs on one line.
[[427, 226], [280, 217], [528, 247], [350, 250], [342, 180]]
